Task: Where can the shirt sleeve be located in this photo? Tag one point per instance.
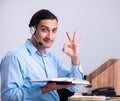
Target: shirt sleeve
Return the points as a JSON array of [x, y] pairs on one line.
[[77, 71], [13, 86], [72, 72]]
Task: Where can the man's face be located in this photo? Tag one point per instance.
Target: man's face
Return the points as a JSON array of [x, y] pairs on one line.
[[46, 32]]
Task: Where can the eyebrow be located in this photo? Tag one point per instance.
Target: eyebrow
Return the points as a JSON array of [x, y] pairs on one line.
[[48, 27]]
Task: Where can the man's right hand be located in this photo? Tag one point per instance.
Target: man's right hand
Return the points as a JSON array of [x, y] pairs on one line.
[[54, 86]]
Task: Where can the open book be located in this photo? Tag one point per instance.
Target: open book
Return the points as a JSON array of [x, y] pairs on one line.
[[64, 81]]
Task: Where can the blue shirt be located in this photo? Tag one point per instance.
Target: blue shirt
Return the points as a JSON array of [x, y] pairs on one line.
[[25, 63]]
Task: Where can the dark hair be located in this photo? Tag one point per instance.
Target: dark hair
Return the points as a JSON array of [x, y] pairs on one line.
[[41, 15]]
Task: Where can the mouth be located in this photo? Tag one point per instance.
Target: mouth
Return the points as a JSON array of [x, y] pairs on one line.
[[48, 41]]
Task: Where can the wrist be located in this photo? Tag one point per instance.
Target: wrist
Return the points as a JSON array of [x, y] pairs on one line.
[[44, 89], [76, 61]]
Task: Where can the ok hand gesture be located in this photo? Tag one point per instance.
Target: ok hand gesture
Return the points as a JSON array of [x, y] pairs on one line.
[[71, 48]]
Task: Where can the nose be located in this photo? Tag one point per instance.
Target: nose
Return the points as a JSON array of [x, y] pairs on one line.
[[50, 34]]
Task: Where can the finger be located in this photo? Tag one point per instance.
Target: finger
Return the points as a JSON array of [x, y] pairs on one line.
[[80, 39], [74, 36], [64, 48], [68, 36], [68, 85], [65, 85]]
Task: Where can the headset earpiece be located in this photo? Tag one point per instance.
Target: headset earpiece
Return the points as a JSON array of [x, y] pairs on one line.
[[32, 30]]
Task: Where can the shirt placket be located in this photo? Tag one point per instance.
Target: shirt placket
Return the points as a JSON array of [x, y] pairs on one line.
[[44, 67]]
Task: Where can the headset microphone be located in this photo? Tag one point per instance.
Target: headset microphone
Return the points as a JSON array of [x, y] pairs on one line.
[[32, 30], [40, 43]]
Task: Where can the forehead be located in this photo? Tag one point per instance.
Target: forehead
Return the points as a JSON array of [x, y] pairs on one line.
[[48, 23]]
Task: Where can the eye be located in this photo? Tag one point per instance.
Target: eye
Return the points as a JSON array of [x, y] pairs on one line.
[[44, 29], [54, 30]]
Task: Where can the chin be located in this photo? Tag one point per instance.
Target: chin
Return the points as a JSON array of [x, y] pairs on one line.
[[47, 46]]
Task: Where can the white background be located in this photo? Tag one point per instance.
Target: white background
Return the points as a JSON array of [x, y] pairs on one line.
[[97, 21]]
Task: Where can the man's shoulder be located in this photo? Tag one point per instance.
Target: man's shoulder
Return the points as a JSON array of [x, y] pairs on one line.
[[18, 50], [15, 52]]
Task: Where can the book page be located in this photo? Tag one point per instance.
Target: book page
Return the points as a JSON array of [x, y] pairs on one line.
[[64, 80]]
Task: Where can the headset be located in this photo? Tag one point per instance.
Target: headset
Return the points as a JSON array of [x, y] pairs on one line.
[[32, 31]]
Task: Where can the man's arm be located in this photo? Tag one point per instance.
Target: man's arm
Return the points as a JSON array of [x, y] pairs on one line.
[[12, 84]]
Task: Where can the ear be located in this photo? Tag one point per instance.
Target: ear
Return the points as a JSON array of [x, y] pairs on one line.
[[32, 30]]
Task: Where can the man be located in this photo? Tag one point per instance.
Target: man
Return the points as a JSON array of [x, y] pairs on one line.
[[34, 60]]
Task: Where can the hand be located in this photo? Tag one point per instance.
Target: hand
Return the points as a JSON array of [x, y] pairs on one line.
[[71, 48], [53, 86]]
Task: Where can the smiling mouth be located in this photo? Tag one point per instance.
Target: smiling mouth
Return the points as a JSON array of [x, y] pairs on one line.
[[48, 41]]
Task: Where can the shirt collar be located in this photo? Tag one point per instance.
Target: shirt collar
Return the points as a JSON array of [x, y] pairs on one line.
[[32, 50]]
